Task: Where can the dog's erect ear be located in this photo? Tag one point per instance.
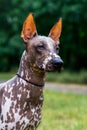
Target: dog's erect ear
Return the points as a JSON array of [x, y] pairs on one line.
[[29, 28], [56, 31]]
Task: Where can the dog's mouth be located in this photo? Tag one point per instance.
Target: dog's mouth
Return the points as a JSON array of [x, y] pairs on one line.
[[54, 68], [54, 65]]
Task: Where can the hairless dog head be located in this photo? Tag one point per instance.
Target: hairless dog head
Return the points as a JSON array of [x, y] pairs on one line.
[[42, 50]]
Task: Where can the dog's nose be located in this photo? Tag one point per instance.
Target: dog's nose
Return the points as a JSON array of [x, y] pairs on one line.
[[57, 62]]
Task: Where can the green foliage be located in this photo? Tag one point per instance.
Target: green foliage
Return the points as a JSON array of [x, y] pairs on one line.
[[64, 111], [73, 40]]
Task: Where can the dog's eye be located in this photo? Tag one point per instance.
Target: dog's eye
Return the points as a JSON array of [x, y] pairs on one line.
[[57, 48], [40, 47]]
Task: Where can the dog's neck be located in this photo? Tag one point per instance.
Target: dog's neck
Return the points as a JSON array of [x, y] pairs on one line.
[[27, 72]]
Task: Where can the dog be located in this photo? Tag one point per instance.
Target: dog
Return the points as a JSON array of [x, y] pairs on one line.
[[21, 98]]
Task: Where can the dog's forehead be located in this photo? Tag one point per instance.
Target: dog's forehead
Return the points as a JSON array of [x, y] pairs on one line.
[[44, 40]]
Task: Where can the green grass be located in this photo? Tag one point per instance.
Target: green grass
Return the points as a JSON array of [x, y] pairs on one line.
[[64, 111], [68, 77]]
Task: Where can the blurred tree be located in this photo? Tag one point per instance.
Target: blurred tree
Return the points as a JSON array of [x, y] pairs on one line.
[[73, 41]]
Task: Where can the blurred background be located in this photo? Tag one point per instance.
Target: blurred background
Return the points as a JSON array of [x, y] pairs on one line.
[[73, 41], [61, 110]]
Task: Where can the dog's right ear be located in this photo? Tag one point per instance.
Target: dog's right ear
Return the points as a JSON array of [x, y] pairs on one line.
[[29, 28]]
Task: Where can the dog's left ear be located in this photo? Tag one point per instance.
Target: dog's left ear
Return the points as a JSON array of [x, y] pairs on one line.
[[56, 31], [29, 28]]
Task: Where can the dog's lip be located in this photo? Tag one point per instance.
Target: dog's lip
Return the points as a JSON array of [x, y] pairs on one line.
[[51, 68]]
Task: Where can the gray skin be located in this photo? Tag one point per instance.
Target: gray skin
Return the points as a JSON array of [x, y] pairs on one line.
[[21, 102]]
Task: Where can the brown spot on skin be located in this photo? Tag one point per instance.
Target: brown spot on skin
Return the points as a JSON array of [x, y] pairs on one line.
[[18, 125], [13, 128], [7, 94], [23, 123], [3, 100], [2, 118], [6, 127], [8, 118], [12, 119], [1, 93]]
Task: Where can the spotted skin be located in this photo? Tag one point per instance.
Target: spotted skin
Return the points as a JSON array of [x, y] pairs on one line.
[[20, 106], [21, 101]]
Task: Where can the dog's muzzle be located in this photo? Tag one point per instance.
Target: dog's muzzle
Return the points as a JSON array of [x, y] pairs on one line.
[[55, 64]]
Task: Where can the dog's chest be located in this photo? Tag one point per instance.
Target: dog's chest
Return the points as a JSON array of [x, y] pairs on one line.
[[21, 106]]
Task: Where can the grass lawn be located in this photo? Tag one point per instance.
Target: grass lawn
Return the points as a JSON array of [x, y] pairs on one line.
[[64, 111], [68, 77]]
